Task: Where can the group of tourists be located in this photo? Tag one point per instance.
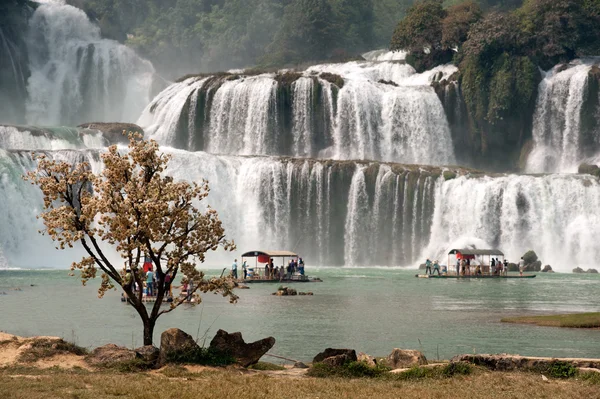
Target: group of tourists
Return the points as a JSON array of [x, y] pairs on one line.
[[149, 281], [271, 272], [428, 265], [464, 268]]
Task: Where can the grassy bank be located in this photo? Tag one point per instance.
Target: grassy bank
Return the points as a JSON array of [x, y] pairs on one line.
[[179, 382], [576, 320]]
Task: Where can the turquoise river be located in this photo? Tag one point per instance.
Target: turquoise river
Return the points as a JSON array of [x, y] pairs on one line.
[[369, 309]]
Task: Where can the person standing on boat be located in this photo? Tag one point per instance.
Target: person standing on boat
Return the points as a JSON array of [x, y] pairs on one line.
[[493, 265], [436, 268], [505, 267], [234, 269], [427, 266], [245, 269], [281, 273], [457, 267], [149, 282], [301, 267], [521, 266]]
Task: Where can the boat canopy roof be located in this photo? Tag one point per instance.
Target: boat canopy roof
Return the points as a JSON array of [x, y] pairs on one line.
[[271, 254], [476, 252]]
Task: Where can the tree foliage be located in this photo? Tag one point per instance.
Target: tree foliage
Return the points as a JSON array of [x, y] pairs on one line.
[[136, 209], [421, 28]]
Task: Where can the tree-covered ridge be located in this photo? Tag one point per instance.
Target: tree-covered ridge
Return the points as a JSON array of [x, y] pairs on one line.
[[182, 36], [499, 55]]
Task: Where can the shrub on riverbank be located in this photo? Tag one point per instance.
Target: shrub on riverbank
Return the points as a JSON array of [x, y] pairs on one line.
[[46, 348], [348, 370], [363, 370]]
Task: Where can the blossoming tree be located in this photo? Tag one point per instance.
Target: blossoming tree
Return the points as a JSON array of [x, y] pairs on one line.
[[135, 208]]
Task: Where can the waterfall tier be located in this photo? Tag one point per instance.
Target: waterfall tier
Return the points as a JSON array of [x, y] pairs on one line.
[[357, 110], [76, 76], [347, 212], [565, 127]]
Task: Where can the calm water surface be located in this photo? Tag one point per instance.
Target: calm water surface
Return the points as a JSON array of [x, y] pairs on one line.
[[368, 309]]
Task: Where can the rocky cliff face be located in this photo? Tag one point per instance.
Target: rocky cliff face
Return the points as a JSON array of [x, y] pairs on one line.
[[14, 70]]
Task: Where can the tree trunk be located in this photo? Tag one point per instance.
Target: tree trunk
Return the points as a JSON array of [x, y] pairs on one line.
[[148, 330]]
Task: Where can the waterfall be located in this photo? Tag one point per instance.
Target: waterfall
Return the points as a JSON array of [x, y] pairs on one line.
[[557, 130], [556, 215], [13, 75], [76, 76], [383, 111], [59, 138]]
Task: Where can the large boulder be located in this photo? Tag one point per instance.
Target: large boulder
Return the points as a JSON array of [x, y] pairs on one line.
[[339, 360], [113, 132], [593, 170], [148, 353], [175, 343], [578, 270], [593, 271], [547, 269], [331, 352], [234, 345], [369, 360], [405, 358], [534, 267], [110, 355], [530, 257], [505, 362]]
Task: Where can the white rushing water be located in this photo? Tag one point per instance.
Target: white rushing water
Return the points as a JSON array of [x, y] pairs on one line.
[[344, 213], [557, 137], [558, 216], [384, 111], [76, 76], [60, 138]]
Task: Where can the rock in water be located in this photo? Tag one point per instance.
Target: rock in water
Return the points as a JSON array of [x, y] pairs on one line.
[[175, 342], [234, 345], [331, 352], [578, 270], [593, 271], [404, 358], [113, 132], [110, 354], [547, 268]]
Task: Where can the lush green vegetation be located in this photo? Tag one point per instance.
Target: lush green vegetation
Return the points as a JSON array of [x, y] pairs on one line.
[[499, 51], [576, 320], [180, 36]]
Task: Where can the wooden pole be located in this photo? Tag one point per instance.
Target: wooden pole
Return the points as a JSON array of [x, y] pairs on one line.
[[281, 357]]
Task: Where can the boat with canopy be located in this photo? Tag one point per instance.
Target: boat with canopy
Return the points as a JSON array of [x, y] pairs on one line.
[[478, 263], [260, 273]]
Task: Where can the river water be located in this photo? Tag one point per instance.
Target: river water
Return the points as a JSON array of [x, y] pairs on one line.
[[369, 309]]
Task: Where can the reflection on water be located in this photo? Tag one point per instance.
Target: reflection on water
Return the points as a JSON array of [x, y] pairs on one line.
[[370, 310]]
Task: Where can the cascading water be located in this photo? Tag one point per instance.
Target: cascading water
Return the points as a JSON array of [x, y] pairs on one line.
[[324, 209], [13, 74], [76, 76], [379, 111], [557, 215], [62, 138], [332, 210], [557, 131]]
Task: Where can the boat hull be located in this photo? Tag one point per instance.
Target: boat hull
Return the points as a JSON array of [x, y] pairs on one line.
[[473, 276]]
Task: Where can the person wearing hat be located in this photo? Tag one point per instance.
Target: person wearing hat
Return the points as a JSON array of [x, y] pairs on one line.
[[427, 266], [436, 268]]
